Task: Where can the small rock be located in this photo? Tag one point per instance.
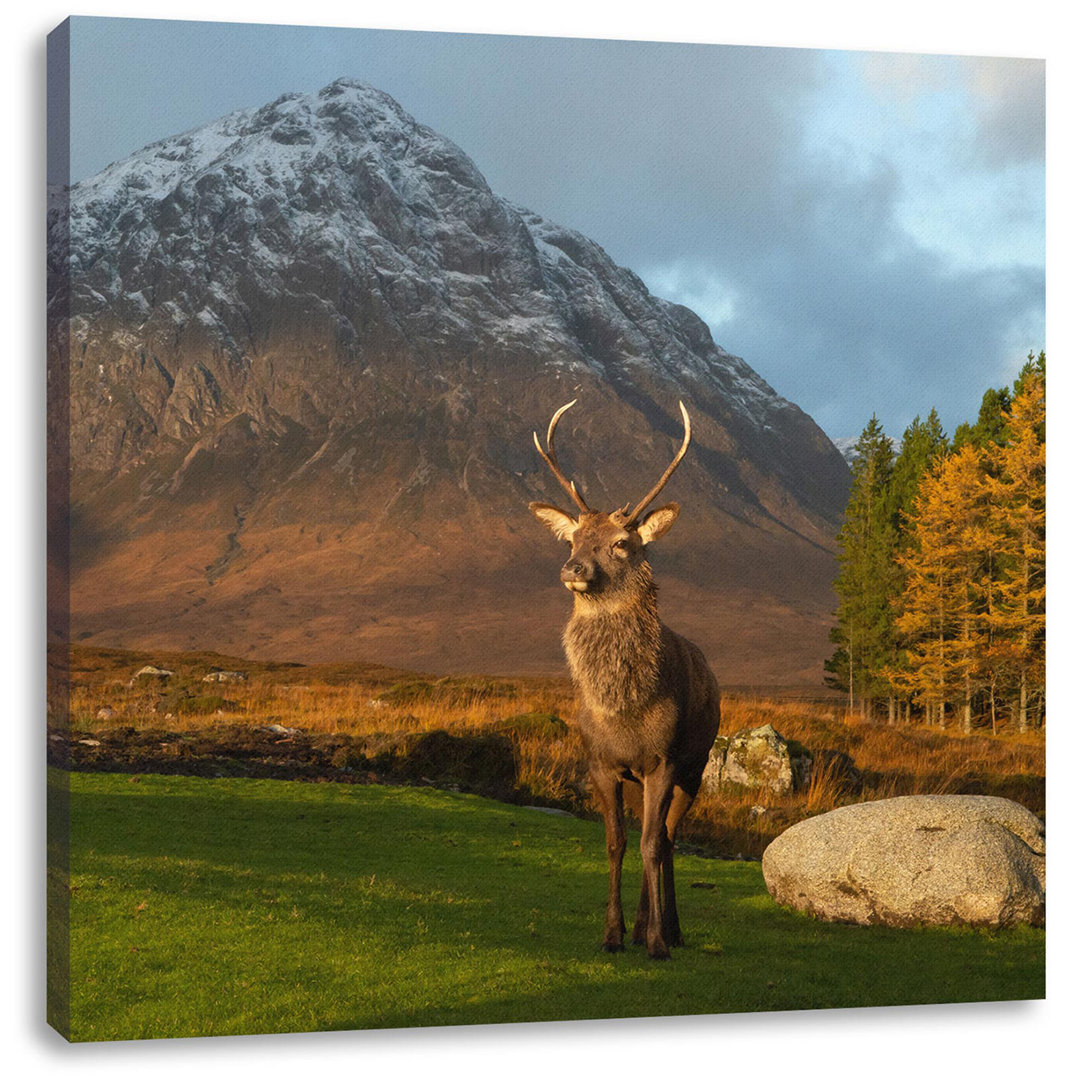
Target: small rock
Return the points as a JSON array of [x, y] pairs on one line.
[[710, 778], [150, 672], [89, 742], [758, 758], [279, 729], [226, 677], [754, 758]]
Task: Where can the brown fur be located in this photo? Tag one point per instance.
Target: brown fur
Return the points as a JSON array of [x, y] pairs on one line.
[[648, 705]]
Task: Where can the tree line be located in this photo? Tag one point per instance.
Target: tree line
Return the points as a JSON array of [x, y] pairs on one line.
[[942, 585]]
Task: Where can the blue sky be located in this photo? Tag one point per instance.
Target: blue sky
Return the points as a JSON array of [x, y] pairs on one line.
[[866, 229]]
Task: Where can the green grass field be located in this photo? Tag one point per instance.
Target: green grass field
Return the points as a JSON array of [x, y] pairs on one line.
[[215, 907]]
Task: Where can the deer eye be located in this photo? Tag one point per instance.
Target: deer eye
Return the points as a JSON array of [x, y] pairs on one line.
[[620, 545]]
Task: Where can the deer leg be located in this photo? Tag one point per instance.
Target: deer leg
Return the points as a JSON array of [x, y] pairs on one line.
[[654, 848], [634, 799], [669, 923], [680, 803], [641, 920], [608, 790]]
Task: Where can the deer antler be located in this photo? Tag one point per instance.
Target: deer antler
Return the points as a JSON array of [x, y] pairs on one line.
[[553, 465], [632, 520]]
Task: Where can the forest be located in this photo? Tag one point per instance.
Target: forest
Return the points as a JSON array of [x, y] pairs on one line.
[[942, 583]]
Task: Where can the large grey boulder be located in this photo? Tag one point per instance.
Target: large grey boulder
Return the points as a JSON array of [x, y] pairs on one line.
[[756, 758], [940, 859]]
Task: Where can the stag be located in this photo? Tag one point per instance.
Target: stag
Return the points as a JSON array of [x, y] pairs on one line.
[[648, 704]]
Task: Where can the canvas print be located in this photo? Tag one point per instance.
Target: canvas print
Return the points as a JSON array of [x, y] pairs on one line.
[[539, 529]]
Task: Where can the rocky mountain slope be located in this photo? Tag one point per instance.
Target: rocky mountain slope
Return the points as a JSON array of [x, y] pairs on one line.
[[306, 347]]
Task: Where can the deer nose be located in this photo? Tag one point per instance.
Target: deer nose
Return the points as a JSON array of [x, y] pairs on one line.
[[576, 570]]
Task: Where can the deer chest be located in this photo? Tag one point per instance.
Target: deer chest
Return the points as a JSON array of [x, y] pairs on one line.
[[633, 741]]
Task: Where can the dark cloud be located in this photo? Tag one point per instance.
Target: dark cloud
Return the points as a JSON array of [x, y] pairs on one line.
[[692, 159], [832, 301], [847, 316]]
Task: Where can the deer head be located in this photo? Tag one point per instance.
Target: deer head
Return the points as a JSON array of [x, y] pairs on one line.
[[607, 550]]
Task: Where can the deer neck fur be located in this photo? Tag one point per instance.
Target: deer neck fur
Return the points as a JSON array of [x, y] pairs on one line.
[[612, 645]]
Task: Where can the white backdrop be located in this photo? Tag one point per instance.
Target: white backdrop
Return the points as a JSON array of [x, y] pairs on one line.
[[922, 1042]]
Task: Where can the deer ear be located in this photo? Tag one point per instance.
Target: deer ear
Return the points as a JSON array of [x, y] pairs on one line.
[[658, 523], [558, 521]]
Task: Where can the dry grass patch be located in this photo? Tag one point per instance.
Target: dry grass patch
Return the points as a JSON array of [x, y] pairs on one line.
[[381, 705], [891, 761]]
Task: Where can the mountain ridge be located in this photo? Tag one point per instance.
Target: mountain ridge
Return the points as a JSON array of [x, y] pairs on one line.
[[315, 316]]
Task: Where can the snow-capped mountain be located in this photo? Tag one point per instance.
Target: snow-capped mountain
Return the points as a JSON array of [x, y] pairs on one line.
[[848, 445], [306, 347]]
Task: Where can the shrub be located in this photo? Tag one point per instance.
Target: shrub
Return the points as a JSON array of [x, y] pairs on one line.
[[545, 725], [448, 692], [185, 704], [481, 764]]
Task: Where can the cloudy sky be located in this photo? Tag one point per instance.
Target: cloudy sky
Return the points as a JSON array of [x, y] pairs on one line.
[[866, 229]]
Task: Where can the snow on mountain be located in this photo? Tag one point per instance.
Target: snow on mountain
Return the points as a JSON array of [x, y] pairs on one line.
[[314, 323], [347, 177], [848, 447]]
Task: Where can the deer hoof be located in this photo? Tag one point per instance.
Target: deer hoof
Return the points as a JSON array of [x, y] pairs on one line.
[[613, 946], [659, 952]]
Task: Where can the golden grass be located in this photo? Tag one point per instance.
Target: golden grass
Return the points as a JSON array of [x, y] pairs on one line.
[[901, 760], [373, 700]]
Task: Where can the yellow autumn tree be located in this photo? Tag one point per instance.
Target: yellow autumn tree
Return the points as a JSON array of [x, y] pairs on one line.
[[972, 613], [1020, 512], [938, 622]]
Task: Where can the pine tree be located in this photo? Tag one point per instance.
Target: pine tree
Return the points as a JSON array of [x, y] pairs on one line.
[[923, 622], [1033, 366], [922, 444], [942, 586], [989, 428], [943, 566], [867, 541], [1022, 511], [972, 557]]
